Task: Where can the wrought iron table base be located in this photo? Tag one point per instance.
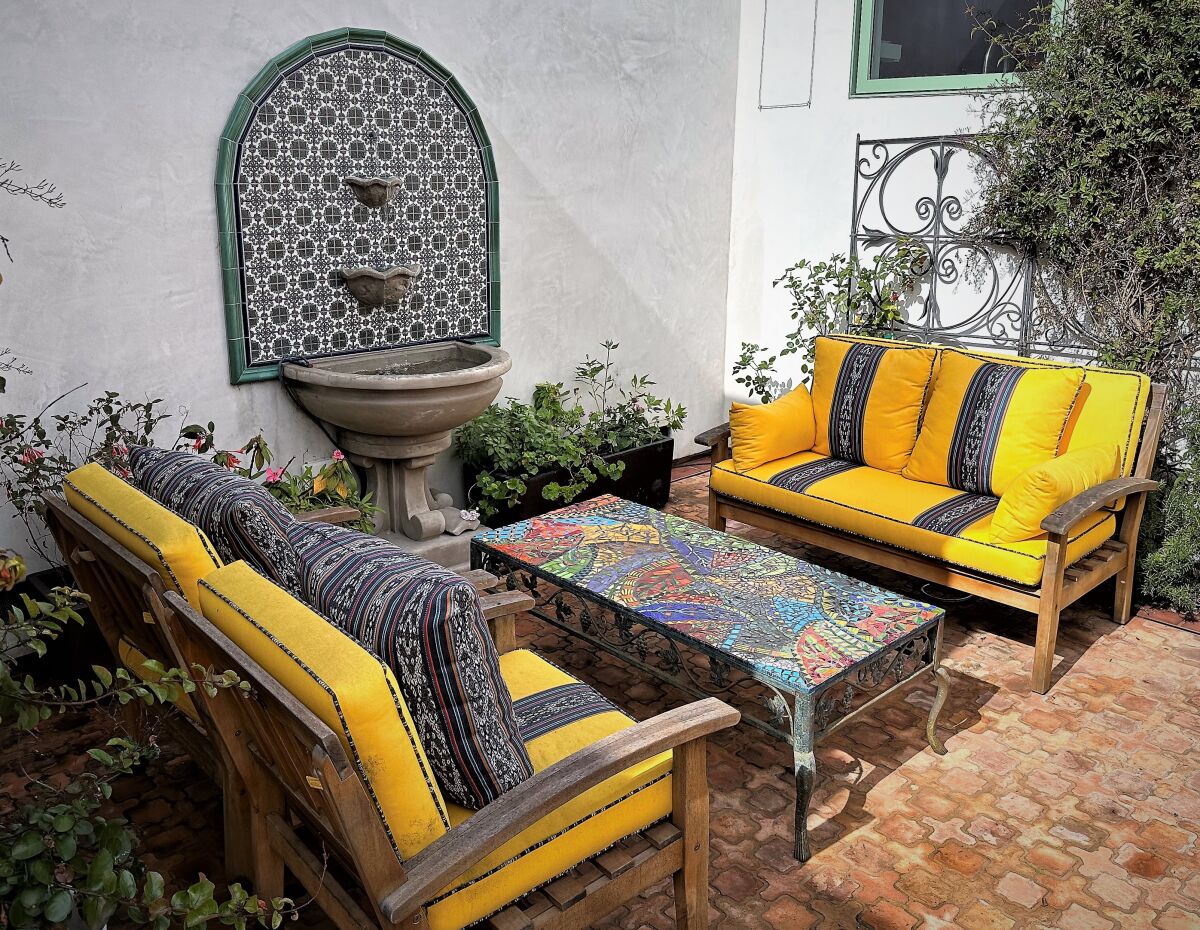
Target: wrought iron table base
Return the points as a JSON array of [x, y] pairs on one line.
[[806, 732], [812, 715]]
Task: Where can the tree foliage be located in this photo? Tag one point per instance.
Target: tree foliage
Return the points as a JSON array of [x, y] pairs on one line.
[[1095, 173]]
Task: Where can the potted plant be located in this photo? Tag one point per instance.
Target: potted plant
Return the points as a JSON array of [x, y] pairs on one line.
[[521, 460]]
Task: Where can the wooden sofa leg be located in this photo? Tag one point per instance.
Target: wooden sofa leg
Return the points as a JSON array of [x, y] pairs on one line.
[[715, 520], [1050, 607], [1123, 600], [268, 863], [237, 812], [689, 812]]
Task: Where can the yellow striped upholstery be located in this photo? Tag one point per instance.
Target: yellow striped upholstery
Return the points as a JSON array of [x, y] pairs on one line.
[[867, 398], [588, 824], [929, 519], [178, 551], [349, 689], [988, 421]]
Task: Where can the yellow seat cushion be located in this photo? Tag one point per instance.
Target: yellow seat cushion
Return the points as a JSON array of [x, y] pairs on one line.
[[867, 399], [135, 660], [988, 421], [343, 684], [762, 433], [584, 826], [177, 550], [929, 519], [1038, 491]]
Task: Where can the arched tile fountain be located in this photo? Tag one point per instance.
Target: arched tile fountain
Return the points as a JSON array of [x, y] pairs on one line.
[[358, 212]]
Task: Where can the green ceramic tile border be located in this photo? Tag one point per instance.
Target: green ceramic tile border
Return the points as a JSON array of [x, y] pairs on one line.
[[227, 151]]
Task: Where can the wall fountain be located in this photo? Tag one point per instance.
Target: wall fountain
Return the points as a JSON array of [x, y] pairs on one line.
[[357, 203]]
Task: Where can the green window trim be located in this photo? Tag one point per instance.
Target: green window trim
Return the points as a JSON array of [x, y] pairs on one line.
[[863, 85], [227, 160]]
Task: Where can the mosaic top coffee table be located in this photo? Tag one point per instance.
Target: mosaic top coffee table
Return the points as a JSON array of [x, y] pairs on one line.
[[639, 583]]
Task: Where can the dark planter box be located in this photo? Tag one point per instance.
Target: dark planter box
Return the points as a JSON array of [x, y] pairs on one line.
[[646, 480]]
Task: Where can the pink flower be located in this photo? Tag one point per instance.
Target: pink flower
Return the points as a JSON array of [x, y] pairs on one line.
[[198, 444], [120, 449], [337, 455], [31, 455], [273, 475], [231, 460]]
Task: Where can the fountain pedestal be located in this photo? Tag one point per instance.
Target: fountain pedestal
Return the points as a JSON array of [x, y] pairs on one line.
[[399, 487]]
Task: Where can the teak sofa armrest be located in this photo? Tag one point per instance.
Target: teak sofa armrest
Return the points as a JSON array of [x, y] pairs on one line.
[[453, 853], [334, 515], [711, 437], [1082, 505]]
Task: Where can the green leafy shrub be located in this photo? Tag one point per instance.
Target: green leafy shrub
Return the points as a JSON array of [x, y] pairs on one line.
[[839, 294], [563, 430], [1170, 568], [1094, 172], [62, 858]]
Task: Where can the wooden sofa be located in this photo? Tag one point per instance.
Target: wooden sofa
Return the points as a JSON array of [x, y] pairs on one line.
[[297, 797], [1063, 578]]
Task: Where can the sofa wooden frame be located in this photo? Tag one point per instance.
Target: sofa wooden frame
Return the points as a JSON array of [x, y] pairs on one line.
[[1062, 583], [291, 794]]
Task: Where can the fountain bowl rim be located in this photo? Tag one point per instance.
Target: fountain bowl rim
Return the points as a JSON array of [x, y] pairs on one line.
[[496, 365]]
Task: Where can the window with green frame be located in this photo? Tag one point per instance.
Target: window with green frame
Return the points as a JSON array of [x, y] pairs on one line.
[[935, 46]]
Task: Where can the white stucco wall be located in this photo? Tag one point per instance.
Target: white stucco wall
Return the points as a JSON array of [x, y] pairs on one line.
[[610, 122], [794, 168]]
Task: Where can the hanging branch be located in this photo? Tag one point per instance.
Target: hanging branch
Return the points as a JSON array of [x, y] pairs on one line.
[[43, 192]]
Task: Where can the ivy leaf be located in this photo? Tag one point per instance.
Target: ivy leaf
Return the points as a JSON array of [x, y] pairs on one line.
[[29, 845], [59, 907]]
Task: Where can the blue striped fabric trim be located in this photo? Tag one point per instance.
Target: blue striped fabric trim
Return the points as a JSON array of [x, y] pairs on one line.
[[976, 437], [240, 516], [425, 622], [554, 708], [952, 517], [848, 406], [800, 478]]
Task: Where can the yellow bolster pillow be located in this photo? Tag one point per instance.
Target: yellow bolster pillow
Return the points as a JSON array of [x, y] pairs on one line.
[[766, 432], [1038, 491]]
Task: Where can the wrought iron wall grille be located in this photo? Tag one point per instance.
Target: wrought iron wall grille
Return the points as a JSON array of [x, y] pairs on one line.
[[972, 294]]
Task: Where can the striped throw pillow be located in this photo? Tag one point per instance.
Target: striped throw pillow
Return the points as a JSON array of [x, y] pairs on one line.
[[238, 515], [867, 399], [988, 421], [425, 622]]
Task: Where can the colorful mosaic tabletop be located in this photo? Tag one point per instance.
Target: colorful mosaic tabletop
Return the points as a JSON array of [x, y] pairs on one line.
[[781, 619]]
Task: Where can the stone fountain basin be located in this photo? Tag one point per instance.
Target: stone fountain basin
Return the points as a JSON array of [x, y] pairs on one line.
[[403, 402]]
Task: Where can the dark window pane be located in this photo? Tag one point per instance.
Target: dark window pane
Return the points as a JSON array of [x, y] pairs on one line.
[[925, 38]]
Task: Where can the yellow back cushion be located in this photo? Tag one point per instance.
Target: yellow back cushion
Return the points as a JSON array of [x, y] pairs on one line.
[[987, 422], [177, 550], [867, 399], [762, 433], [1038, 491], [343, 684], [1110, 407]]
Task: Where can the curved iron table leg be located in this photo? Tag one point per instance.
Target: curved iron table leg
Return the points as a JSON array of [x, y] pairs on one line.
[[943, 692]]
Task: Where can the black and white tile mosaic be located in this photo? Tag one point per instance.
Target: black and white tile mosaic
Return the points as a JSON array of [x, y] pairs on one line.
[[366, 112]]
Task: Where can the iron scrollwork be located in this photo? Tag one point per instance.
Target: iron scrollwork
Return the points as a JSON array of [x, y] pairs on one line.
[[890, 669]]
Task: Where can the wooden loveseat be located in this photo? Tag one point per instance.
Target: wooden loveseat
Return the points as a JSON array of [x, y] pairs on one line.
[[324, 770], [908, 510]]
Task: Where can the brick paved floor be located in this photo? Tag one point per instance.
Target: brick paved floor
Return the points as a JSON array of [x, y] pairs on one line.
[[1078, 810]]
